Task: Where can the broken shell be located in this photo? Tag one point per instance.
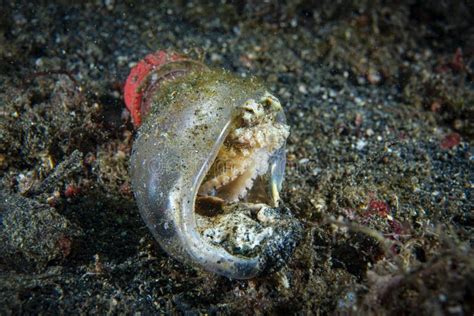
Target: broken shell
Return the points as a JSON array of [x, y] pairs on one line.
[[207, 167]]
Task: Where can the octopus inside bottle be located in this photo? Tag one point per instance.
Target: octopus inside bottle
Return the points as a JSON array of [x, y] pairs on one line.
[[236, 200]]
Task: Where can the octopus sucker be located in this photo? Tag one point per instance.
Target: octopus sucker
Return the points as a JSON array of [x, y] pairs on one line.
[[209, 190]]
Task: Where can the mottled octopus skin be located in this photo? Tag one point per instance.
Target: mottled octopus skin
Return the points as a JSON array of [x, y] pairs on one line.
[[174, 149]]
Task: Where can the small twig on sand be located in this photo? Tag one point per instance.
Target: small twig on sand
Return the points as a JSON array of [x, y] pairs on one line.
[[69, 165], [49, 73]]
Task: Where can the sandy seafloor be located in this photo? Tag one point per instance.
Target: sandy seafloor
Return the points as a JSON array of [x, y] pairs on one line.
[[380, 100]]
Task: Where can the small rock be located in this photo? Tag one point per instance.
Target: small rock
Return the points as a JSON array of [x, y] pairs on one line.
[[450, 140]]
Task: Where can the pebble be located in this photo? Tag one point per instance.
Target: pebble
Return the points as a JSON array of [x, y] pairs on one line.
[[361, 144]]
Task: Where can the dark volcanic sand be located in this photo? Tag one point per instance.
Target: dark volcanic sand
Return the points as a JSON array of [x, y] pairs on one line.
[[380, 100]]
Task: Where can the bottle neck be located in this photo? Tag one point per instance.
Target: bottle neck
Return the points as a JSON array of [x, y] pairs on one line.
[[166, 73], [147, 77]]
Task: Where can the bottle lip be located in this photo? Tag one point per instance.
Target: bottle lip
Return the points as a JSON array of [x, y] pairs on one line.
[[137, 85]]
